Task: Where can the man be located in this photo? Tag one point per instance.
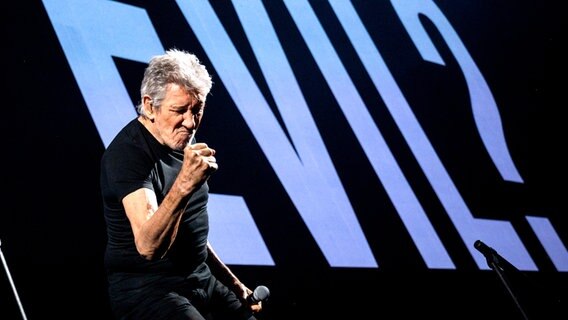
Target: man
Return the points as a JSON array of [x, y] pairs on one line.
[[159, 262]]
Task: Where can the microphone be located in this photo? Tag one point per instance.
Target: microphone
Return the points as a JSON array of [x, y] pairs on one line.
[[260, 293], [493, 258], [485, 249]]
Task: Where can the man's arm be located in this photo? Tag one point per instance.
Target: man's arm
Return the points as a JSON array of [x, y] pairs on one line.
[[225, 275], [155, 225]]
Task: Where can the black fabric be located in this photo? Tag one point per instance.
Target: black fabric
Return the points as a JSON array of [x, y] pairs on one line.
[[212, 300]]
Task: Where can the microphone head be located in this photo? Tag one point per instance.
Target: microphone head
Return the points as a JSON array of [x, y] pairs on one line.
[[261, 293], [482, 247]]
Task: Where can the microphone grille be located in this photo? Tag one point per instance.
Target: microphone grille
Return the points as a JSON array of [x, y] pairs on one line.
[[261, 293]]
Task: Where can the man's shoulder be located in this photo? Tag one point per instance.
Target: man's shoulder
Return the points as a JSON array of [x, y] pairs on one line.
[[130, 134], [128, 142]]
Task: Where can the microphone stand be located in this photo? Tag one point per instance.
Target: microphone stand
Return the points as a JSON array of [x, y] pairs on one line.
[[12, 283], [500, 265]]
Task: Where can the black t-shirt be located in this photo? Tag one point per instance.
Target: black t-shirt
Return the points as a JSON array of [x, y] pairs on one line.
[[134, 160]]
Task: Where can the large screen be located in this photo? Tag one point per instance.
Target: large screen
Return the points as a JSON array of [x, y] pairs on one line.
[[358, 140]]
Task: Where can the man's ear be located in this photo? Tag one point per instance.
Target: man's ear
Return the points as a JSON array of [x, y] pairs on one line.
[[148, 107]]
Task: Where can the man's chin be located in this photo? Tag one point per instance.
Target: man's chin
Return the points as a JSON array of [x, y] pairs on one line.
[[180, 145]]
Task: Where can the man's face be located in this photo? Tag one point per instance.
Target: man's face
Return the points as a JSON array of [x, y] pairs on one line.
[[177, 118]]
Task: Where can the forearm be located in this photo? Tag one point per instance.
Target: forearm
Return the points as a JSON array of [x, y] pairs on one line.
[[160, 226], [159, 232], [220, 269]]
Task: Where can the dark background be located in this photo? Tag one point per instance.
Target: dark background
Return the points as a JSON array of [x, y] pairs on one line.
[[51, 223]]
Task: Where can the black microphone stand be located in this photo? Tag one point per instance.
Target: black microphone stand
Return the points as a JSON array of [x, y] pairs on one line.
[[12, 283], [500, 265]]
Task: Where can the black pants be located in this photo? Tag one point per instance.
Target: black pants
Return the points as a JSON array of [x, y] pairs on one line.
[[214, 302]]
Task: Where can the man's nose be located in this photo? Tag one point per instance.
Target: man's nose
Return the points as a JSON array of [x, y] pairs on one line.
[[189, 120]]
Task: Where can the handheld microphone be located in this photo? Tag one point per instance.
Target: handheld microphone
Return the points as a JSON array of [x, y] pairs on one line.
[[260, 293]]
